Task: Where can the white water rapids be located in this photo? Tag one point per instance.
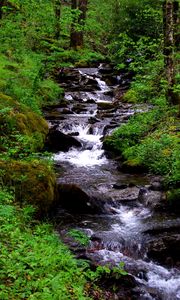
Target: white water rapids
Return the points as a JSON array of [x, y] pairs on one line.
[[128, 222]]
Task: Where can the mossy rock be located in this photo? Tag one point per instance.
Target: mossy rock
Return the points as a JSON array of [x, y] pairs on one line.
[[16, 117], [34, 182]]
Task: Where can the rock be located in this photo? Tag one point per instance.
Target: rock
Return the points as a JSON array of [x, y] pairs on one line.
[[105, 69], [105, 105], [126, 195], [156, 184], [89, 83], [151, 199], [74, 133], [79, 108], [120, 186], [75, 200], [68, 75], [20, 119], [34, 183], [165, 249], [65, 111], [58, 141], [93, 120]]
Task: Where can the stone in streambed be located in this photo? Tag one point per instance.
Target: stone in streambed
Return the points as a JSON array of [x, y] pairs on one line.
[[152, 199], [129, 194], [58, 141], [75, 200], [105, 105], [165, 249]]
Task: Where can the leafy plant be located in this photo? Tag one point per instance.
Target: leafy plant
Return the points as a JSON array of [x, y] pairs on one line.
[[79, 236]]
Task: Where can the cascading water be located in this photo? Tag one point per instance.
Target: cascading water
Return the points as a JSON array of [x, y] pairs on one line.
[[117, 236], [91, 153]]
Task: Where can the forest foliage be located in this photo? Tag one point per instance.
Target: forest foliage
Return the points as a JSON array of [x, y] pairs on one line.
[[36, 40]]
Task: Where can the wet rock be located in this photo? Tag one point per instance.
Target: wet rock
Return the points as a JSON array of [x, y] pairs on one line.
[[150, 198], [75, 200], [66, 111], [93, 120], [90, 101], [120, 186], [89, 84], [74, 133], [165, 249], [156, 184], [118, 287], [105, 69], [54, 115], [68, 75], [79, 108], [58, 141], [72, 198], [105, 105], [126, 195]]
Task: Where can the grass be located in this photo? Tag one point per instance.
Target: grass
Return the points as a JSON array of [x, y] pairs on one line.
[[150, 140]]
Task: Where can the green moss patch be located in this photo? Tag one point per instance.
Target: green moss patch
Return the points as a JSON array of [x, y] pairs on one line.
[[20, 127], [34, 182]]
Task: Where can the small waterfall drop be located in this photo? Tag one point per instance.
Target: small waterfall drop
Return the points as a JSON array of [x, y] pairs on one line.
[[118, 235]]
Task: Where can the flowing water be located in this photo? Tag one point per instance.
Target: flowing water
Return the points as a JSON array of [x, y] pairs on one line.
[[119, 235]]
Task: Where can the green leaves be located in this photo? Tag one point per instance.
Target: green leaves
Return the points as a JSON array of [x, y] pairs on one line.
[[33, 261]]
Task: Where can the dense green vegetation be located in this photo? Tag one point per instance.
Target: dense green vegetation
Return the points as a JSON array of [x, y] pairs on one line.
[[35, 41], [34, 263]]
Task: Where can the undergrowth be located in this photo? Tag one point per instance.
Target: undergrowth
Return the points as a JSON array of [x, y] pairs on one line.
[[34, 264], [150, 140]]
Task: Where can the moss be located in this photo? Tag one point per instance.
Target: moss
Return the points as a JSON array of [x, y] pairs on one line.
[[19, 119], [34, 182], [130, 96]]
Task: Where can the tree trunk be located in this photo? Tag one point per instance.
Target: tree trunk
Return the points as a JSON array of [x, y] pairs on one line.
[[1, 10], [57, 11], [73, 38], [77, 34], [169, 17], [176, 25]]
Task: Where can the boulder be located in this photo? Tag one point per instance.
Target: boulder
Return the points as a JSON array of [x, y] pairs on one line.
[[106, 105], [105, 68], [152, 199], [33, 181], [165, 249], [58, 141], [156, 184], [75, 200], [66, 75]]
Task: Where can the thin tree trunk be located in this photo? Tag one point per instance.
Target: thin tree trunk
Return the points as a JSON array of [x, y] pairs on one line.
[[57, 11], [81, 21], [77, 36], [176, 25], [73, 38], [169, 44], [1, 10]]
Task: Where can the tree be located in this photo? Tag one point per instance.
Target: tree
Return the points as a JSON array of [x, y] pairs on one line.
[[170, 18], [57, 12], [1, 8], [79, 9]]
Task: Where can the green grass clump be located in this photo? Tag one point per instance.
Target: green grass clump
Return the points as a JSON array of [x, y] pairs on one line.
[[137, 127], [150, 140], [79, 236], [34, 264]]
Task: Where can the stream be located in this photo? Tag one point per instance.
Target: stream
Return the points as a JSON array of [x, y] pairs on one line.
[[126, 227]]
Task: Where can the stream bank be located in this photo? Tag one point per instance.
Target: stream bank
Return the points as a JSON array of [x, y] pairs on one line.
[[121, 212]]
